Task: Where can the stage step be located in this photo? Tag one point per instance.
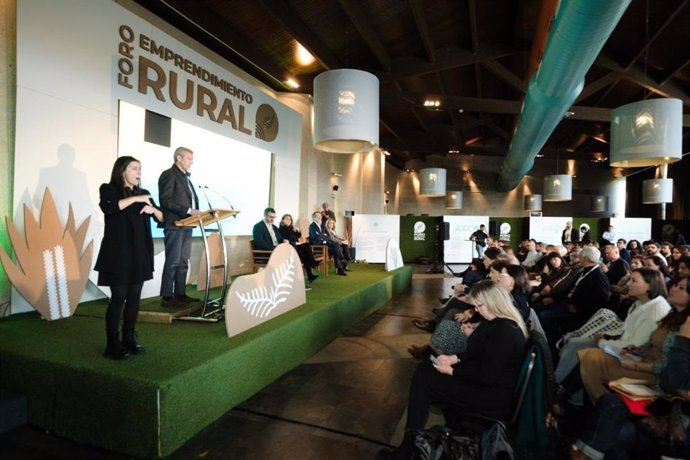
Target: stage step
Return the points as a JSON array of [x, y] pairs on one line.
[[12, 410]]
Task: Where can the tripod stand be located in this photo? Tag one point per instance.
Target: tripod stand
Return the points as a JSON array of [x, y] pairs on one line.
[[439, 264]]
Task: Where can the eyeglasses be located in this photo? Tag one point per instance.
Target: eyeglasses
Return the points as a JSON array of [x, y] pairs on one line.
[[271, 216]]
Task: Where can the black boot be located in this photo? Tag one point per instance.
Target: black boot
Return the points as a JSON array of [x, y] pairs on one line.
[[130, 342], [114, 349]]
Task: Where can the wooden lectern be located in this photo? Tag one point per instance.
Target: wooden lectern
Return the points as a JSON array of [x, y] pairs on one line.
[[212, 309]]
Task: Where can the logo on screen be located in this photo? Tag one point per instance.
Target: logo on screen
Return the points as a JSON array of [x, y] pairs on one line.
[[419, 229], [266, 123]]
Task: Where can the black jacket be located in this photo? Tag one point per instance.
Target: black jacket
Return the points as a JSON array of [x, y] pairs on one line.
[[175, 196]]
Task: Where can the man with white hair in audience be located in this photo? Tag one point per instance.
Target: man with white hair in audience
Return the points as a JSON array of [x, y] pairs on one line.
[[589, 293]]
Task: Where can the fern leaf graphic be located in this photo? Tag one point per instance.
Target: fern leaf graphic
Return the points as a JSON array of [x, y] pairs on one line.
[[260, 302]]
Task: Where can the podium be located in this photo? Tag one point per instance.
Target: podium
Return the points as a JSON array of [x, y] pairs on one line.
[[211, 309]]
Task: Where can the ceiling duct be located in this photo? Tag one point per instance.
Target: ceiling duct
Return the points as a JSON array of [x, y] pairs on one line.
[[580, 29]]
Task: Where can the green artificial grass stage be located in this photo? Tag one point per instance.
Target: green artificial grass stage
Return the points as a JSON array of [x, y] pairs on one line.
[[191, 373]]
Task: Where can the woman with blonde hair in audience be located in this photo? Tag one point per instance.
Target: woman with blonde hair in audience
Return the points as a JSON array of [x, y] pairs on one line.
[[597, 366], [482, 380]]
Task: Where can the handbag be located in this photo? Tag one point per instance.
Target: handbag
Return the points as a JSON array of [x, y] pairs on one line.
[[670, 429], [496, 445], [603, 320], [439, 443]]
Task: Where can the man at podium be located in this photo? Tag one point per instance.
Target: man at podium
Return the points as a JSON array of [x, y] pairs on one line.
[[177, 200]]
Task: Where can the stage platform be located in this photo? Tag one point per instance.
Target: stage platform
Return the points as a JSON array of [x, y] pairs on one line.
[[191, 373]]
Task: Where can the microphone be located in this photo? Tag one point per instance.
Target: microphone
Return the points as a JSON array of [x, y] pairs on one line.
[[215, 192], [203, 189]]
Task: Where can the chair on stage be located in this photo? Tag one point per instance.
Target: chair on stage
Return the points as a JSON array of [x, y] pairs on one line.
[[259, 257], [321, 255]]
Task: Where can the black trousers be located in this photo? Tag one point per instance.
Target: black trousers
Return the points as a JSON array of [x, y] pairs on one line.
[[127, 296]]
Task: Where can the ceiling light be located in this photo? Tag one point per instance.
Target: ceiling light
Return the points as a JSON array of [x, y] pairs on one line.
[[453, 151], [432, 182], [292, 83], [346, 111], [302, 56], [432, 103], [558, 187], [647, 133]]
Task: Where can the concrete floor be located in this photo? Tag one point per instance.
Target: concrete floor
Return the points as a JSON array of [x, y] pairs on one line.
[[343, 403]]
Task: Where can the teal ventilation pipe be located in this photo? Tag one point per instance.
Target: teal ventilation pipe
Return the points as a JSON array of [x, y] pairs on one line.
[[577, 36]]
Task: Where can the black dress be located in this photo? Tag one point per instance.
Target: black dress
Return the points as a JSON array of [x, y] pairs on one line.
[[482, 382], [126, 254]]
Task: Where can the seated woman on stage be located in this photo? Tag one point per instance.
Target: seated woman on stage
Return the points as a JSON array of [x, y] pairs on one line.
[[330, 229], [303, 248], [482, 379]]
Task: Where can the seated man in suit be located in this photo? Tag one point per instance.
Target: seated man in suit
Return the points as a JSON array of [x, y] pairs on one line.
[[317, 235], [265, 233]]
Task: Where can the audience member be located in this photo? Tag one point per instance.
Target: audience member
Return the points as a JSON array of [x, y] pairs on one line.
[[588, 294], [609, 236], [585, 237], [616, 268], [622, 250], [613, 430], [652, 249], [647, 287], [634, 247], [597, 366], [481, 380], [569, 234]]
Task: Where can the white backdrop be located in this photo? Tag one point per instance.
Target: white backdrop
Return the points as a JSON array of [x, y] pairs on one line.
[[632, 228], [68, 56], [237, 175], [370, 235], [548, 230], [458, 249]]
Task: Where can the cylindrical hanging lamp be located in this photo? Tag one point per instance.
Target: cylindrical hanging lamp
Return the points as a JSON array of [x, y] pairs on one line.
[[453, 200], [656, 191], [597, 203], [532, 203], [346, 111], [432, 182], [558, 187], [647, 133]]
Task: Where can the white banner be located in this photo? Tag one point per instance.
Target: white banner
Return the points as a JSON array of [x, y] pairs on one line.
[[630, 228], [548, 230], [459, 248], [371, 233]]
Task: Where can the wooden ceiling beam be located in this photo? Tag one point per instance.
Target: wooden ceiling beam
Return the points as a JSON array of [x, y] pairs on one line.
[[281, 11], [505, 75], [355, 12], [423, 27], [445, 60]]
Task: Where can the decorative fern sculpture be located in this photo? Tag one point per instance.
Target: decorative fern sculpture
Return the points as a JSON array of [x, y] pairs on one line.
[[261, 301]]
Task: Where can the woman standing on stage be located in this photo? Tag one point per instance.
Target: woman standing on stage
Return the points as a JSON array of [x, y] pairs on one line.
[[125, 259]]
